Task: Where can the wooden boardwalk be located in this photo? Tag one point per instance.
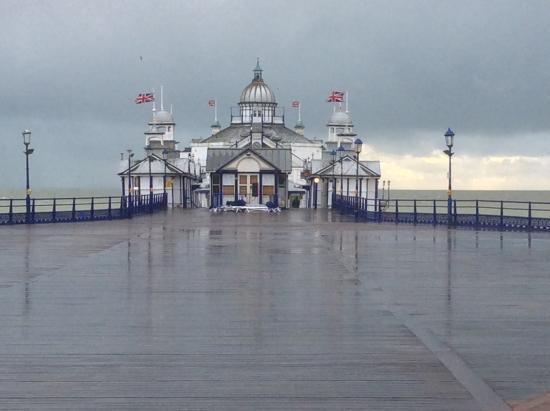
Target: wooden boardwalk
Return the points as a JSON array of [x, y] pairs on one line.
[[190, 310]]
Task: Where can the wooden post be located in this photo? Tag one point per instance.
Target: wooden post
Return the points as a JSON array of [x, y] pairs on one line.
[[74, 210], [54, 211], [415, 218], [435, 213]]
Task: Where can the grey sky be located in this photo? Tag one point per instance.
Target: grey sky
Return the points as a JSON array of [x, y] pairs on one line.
[[70, 70]]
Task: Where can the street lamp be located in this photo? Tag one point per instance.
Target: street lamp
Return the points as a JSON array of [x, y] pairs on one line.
[[333, 158], [316, 181], [449, 141], [130, 155], [341, 153], [358, 145], [28, 151], [165, 158], [148, 150]]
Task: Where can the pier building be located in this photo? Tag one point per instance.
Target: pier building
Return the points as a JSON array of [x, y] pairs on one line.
[[164, 168], [256, 158]]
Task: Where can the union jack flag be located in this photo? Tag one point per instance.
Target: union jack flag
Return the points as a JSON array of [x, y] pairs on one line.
[[335, 97], [211, 103], [144, 98], [295, 104]]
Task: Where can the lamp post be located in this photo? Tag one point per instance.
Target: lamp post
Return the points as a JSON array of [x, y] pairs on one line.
[[333, 158], [148, 150], [165, 158], [316, 182], [28, 151], [358, 147], [130, 204], [449, 141], [341, 152]]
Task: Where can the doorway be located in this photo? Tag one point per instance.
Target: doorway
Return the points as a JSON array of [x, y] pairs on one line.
[[249, 188]]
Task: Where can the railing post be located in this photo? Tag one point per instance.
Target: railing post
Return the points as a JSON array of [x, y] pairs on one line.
[[124, 210], [109, 212], [477, 213], [92, 209], [501, 214], [11, 212], [74, 210], [396, 211], [454, 201], [435, 213], [33, 210], [54, 210], [415, 218], [529, 218]]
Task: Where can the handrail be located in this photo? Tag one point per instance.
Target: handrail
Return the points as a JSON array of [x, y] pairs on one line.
[[501, 214], [73, 209]]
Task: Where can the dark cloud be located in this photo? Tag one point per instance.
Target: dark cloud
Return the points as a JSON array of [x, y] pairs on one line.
[[71, 69]]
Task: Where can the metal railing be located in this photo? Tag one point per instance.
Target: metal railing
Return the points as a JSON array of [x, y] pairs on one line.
[[501, 215], [74, 209]]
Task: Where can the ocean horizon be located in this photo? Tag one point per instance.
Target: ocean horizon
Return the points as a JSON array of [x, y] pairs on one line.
[[504, 195]]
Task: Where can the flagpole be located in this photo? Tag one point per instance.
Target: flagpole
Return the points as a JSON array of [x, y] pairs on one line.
[[300, 111], [161, 98], [154, 102], [215, 110], [347, 99]]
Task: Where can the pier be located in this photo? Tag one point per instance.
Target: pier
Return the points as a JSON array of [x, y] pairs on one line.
[[305, 309]]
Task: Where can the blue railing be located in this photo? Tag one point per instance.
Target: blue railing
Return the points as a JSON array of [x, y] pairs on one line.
[[501, 215], [74, 209]]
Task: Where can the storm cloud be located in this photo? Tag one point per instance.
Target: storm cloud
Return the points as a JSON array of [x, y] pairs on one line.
[[70, 70]]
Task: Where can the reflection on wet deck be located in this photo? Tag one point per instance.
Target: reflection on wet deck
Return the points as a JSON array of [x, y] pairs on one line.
[[189, 310]]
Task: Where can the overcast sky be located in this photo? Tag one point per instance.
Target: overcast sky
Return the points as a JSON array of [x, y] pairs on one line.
[[70, 70]]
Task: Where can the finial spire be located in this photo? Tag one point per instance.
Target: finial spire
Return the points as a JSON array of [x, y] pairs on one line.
[[257, 70]]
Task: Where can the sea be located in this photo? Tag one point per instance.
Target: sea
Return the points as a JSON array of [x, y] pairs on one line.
[[496, 195], [489, 201]]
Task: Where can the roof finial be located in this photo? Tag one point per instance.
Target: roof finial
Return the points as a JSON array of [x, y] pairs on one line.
[[171, 109], [257, 70]]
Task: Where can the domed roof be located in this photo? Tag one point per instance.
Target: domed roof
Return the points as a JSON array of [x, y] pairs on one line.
[[257, 91], [162, 117], [340, 118]]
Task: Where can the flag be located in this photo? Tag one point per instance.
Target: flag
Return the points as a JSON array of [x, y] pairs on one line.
[[144, 98], [211, 103], [335, 97], [295, 104]]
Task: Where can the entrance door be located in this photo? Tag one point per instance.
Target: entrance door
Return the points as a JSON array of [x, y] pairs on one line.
[[249, 188]]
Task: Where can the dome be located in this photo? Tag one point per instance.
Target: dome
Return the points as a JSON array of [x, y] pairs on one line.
[[257, 92], [162, 117], [340, 118]]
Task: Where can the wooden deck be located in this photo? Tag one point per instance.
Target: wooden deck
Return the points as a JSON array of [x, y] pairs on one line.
[[189, 310]]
